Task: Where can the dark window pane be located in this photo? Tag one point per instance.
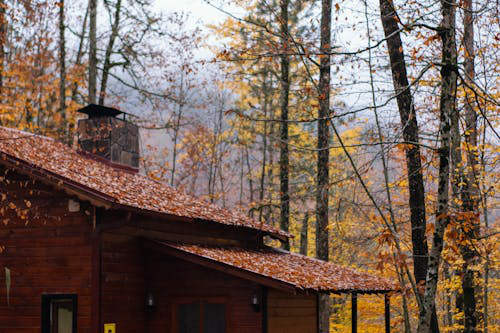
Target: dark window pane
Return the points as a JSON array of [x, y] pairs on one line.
[[189, 318], [214, 318]]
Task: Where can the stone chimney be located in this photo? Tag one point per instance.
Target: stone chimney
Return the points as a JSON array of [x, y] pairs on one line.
[[105, 135]]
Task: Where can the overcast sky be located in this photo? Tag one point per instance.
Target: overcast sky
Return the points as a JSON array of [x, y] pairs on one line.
[[198, 9]]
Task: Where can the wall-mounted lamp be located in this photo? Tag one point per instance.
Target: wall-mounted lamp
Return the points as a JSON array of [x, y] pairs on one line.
[[150, 301], [255, 302]]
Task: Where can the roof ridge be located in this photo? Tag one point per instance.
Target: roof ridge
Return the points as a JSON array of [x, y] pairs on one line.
[[85, 155], [25, 133]]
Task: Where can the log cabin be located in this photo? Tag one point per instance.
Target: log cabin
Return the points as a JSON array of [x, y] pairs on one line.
[[89, 244]]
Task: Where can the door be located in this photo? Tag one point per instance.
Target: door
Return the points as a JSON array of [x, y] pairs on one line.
[[200, 316]]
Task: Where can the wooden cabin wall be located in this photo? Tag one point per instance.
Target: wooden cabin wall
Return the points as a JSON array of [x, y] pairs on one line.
[[288, 313], [47, 249], [171, 278], [123, 287]]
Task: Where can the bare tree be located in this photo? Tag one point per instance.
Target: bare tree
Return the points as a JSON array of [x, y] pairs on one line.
[[447, 107], [80, 51], [266, 106], [177, 124], [323, 179], [466, 302], [93, 52], [3, 34], [109, 50], [409, 124], [62, 63], [284, 158]]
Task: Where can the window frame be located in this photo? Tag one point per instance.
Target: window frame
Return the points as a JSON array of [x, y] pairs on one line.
[[46, 307]]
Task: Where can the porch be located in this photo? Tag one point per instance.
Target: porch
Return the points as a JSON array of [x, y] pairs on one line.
[[169, 287]]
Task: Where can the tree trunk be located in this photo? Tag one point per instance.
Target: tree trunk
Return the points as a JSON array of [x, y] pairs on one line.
[[408, 118], [484, 204], [471, 132], [222, 189], [177, 126], [215, 165], [269, 216], [304, 234], [3, 39], [448, 312], [486, 268], [284, 158], [447, 110], [265, 105], [109, 50], [249, 178], [93, 52], [469, 192], [62, 67], [242, 172], [322, 190], [79, 53]]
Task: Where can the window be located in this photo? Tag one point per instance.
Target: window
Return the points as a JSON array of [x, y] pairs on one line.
[[214, 318], [189, 318], [59, 313], [201, 317]]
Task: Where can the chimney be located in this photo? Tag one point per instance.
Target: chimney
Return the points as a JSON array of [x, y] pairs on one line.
[[105, 135]]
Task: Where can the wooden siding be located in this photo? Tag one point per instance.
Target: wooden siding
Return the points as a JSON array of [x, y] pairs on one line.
[[287, 313], [171, 279], [48, 251], [51, 250], [122, 283]]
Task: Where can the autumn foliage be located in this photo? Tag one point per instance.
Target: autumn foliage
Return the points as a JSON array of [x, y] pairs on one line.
[[207, 99]]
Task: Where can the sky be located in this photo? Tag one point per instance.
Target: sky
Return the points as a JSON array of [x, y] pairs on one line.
[[198, 9], [201, 14]]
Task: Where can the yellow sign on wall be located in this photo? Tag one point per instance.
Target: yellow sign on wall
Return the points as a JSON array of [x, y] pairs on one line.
[[110, 328]]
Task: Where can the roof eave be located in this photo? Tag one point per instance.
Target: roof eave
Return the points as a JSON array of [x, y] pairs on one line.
[[163, 247], [98, 198]]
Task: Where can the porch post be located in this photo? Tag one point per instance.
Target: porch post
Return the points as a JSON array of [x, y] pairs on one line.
[[387, 313], [354, 312]]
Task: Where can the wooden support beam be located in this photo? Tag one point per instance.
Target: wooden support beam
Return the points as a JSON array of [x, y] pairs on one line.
[[96, 291], [173, 237], [264, 309], [354, 312], [387, 313]]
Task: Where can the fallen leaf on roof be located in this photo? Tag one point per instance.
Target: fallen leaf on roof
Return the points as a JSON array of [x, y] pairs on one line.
[[125, 188], [302, 272]]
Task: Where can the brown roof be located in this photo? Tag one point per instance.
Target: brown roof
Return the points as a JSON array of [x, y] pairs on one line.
[[291, 270], [116, 186]]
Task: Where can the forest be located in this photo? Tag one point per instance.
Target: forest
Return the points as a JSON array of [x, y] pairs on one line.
[[369, 130]]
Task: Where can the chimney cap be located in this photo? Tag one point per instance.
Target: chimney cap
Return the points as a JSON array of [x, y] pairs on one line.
[[97, 111]]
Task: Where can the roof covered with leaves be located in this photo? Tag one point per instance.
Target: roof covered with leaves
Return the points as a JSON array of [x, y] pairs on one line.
[[300, 272], [115, 185]]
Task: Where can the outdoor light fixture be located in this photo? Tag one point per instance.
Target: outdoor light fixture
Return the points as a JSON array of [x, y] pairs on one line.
[[150, 301], [255, 302]]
